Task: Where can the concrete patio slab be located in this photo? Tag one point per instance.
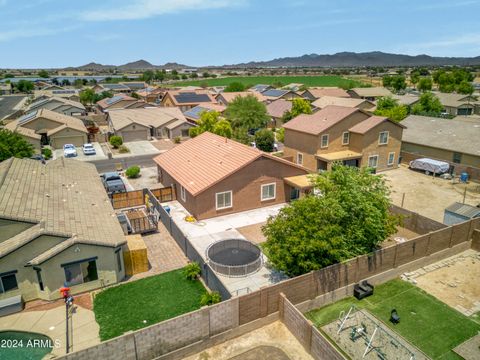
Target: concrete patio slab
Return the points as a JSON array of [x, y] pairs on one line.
[[100, 155], [138, 148]]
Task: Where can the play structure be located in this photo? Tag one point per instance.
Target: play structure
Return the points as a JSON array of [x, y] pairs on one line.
[[362, 336]]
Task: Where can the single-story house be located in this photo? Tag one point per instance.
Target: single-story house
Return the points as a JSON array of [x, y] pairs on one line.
[[458, 104], [276, 109], [59, 105], [239, 177], [407, 99], [151, 95], [119, 101], [193, 115], [275, 94], [142, 124], [369, 93], [293, 86], [315, 93], [43, 126], [186, 100], [454, 141], [115, 88], [344, 101], [226, 98], [5, 89], [58, 227], [135, 85], [57, 91]]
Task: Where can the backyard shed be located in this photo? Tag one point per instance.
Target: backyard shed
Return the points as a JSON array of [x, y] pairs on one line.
[[458, 212], [135, 255]]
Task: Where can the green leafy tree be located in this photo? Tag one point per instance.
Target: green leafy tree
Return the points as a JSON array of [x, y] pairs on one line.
[[281, 135], [397, 113], [87, 96], [387, 81], [24, 86], [425, 84], [386, 103], [428, 104], [148, 76], [246, 112], [13, 144], [210, 121], [299, 106], [184, 77], [264, 140], [350, 218], [194, 75], [415, 77], [160, 76], [116, 141], [234, 87], [398, 83], [465, 88], [43, 74]]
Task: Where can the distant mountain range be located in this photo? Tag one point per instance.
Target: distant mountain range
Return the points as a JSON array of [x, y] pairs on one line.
[[135, 65], [351, 59], [342, 59]]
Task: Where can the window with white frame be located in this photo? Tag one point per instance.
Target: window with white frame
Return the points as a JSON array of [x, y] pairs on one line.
[[391, 158], [383, 138], [183, 193], [299, 158], [373, 161], [324, 141], [223, 200], [346, 138], [268, 191]]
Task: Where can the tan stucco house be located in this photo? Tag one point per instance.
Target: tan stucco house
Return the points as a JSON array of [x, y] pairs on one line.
[[143, 124], [187, 99], [57, 228], [343, 134], [59, 105], [214, 176], [42, 127]]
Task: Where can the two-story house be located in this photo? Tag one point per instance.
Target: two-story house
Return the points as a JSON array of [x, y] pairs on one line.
[[342, 134]]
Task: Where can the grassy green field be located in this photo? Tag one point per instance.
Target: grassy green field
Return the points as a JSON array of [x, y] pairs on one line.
[[154, 299], [268, 80], [429, 324]]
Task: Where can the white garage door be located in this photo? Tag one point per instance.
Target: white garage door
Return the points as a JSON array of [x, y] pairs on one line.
[[134, 135], [75, 140]]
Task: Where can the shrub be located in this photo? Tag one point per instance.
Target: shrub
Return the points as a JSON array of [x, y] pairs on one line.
[[210, 298], [192, 271], [133, 172], [264, 140], [47, 153], [177, 139], [116, 141], [123, 149]]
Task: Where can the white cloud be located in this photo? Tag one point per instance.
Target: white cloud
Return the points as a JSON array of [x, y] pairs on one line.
[[143, 9], [19, 33], [461, 45]]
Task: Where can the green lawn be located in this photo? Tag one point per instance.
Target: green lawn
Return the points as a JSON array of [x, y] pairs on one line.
[[426, 322], [267, 80], [154, 299]]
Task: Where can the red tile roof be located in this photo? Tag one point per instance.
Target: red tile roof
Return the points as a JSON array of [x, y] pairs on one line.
[[205, 160], [321, 120]]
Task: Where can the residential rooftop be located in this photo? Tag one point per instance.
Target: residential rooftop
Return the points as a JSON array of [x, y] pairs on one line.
[[64, 197], [454, 135], [150, 116]]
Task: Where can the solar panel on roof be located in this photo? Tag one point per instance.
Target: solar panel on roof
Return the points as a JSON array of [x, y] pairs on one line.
[[192, 98], [274, 92], [195, 112], [27, 117], [114, 100]]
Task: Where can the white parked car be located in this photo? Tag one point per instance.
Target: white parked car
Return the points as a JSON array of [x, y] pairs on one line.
[[69, 150], [88, 149]]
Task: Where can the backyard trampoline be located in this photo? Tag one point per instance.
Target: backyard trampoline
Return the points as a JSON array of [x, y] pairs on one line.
[[234, 257]]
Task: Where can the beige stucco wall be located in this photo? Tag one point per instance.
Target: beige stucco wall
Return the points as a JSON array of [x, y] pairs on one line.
[[68, 135], [143, 130], [440, 154], [53, 275], [42, 123], [178, 130]]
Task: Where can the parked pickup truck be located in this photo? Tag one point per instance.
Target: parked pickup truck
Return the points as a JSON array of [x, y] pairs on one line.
[[113, 183]]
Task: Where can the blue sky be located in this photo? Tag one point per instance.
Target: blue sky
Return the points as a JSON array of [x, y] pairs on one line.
[[53, 33]]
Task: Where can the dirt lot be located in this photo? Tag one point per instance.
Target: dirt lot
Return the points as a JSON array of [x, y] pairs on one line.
[[454, 281], [253, 233], [147, 179], [427, 195], [263, 343]]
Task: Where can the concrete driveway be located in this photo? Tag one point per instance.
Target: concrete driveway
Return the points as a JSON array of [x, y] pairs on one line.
[[100, 155], [138, 148]]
